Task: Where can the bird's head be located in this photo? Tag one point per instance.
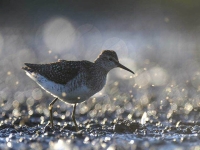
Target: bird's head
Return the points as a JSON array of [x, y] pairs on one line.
[[108, 60]]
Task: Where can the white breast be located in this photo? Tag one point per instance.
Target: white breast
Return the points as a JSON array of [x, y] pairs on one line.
[[63, 92]]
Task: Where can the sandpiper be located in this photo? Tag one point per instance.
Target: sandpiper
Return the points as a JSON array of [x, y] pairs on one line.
[[73, 81]]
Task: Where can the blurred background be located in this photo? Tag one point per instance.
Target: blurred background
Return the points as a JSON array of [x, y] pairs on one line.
[[158, 39]]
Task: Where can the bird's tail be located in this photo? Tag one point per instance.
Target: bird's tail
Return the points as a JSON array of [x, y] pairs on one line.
[[27, 67]]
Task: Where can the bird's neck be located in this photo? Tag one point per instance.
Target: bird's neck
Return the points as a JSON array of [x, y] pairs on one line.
[[99, 64], [97, 77]]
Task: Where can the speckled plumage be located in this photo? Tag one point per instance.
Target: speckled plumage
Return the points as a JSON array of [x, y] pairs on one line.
[[59, 72], [74, 81]]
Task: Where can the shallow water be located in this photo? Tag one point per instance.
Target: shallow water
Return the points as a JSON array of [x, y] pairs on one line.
[[28, 133]]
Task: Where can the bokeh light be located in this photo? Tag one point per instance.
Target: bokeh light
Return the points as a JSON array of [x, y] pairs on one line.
[[89, 42], [37, 94], [59, 35], [118, 45], [158, 76]]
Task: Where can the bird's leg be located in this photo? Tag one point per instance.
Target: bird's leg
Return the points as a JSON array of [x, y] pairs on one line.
[[73, 117], [50, 111]]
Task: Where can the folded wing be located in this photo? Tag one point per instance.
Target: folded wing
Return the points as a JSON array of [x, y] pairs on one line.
[[60, 72]]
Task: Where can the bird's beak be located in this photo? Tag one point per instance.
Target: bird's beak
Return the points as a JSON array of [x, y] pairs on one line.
[[123, 67]]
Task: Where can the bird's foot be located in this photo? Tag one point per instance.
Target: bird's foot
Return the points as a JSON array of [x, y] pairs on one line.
[[48, 127], [77, 129]]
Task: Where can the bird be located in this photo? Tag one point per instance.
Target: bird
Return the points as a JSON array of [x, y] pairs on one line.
[[73, 81]]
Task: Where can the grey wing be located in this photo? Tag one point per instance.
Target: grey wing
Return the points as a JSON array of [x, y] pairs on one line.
[[60, 72]]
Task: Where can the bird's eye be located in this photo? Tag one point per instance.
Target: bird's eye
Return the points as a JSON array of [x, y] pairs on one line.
[[110, 59]]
